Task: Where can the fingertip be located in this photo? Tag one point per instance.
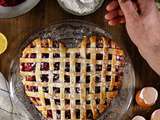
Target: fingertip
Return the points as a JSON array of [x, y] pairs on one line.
[[112, 5], [122, 21], [116, 21], [113, 14], [109, 8], [111, 23], [106, 17]]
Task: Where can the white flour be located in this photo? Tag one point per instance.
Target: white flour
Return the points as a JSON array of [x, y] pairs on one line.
[[81, 6]]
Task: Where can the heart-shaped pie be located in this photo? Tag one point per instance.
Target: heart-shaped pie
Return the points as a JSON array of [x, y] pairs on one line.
[[72, 83]]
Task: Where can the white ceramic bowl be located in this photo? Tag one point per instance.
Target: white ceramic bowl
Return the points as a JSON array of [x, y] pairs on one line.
[[81, 13]]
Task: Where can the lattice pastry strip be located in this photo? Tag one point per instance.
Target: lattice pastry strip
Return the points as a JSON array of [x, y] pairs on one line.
[[72, 83]]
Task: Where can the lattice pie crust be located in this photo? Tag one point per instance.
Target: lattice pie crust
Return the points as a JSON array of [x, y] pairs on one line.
[[72, 83]]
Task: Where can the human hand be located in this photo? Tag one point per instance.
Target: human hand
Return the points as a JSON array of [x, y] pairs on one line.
[[142, 20], [114, 13]]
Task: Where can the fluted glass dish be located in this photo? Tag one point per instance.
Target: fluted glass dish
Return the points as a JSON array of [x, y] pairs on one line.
[[71, 33]]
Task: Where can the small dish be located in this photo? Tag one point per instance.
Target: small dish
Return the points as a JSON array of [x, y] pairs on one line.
[[10, 12], [81, 13]]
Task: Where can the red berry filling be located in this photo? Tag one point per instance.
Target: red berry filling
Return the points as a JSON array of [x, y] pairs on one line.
[[30, 78], [8, 3], [28, 67]]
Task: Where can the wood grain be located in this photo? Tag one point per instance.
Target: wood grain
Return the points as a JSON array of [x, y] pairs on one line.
[[48, 12]]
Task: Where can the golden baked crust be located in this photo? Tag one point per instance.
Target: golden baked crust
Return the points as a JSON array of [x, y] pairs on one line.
[[72, 83]]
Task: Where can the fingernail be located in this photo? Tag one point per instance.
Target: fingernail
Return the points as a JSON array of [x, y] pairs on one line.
[[110, 23], [106, 17], [108, 8], [122, 21]]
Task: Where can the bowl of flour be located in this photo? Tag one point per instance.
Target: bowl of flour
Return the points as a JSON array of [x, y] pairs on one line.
[[80, 7]]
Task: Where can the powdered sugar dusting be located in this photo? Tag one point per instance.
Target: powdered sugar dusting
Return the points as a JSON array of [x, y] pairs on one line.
[[81, 6]]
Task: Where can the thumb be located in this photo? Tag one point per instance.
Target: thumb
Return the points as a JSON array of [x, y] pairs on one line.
[[129, 10]]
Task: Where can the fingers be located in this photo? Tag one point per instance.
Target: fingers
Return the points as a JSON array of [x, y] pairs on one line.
[[113, 14], [112, 6], [116, 21], [129, 9]]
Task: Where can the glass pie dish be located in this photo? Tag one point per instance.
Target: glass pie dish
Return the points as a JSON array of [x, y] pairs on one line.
[[71, 33]]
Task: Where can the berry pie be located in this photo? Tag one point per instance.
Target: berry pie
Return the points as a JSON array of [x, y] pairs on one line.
[[72, 83]]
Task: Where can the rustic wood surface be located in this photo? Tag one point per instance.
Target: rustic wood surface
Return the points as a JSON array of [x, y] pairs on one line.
[[48, 12]]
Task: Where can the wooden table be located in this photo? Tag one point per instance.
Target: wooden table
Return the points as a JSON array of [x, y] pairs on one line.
[[48, 12]]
